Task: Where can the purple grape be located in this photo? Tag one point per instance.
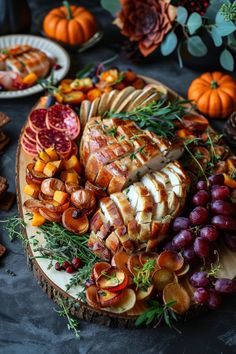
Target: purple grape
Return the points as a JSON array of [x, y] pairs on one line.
[[224, 223], [189, 255], [88, 283], [201, 198], [216, 179], [200, 279], [201, 295], [180, 223], [183, 239], [220, 192], [198, 216], [230, 241], [201, 247], [202, 185], [168, 247], [225, 286], [214, 300], [209, 232], [221, 207]]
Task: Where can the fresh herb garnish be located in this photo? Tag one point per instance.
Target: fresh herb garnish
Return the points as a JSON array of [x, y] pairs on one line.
[[111, 132], [156, 312], [142, 278], [48, 84], [72, 324], [158, 117], [133, 155]]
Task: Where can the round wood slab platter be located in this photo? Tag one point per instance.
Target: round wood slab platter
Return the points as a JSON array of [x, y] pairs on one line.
[[54, 282]]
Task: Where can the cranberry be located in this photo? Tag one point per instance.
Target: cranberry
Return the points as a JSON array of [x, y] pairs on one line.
[[57, 66], [70, 269], [65, 264], [77, 263], [58, 266]]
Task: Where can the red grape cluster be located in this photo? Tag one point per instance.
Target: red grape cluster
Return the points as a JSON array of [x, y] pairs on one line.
[[195, 236]]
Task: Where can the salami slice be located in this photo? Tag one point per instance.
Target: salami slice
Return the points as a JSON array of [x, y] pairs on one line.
[[49, 137], [30, 135], [64, 119], [37, 119]]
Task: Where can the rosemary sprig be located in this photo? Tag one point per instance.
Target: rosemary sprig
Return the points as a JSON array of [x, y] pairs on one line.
[[156, 312], [142, 278], [157, 117], [48, 84], [72, 324], [201, 169]]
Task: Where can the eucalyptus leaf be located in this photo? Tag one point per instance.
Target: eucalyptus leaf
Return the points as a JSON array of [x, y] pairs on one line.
[[226, 28], [194, 22], [113, 6], [169, 44], [182, 15], [196, 46], [227, 60], [216, 36]]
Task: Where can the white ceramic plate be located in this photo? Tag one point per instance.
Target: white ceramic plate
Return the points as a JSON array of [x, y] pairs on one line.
[[52, 49]]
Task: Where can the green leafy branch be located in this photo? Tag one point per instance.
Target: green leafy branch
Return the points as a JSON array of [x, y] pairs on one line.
[[157, 312], [72, 324]]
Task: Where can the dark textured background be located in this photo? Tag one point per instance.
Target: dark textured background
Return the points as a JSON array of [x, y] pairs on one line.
[[28, 322]]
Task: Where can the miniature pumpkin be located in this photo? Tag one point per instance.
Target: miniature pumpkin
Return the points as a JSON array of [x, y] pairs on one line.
[[71, 25], [214, 94]]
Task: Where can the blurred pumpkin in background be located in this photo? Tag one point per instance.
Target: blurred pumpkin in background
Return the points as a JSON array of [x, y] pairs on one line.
[[72, 25]]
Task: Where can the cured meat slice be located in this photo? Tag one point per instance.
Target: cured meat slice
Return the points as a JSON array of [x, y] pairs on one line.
[[52, 138], [37, 119], [63, 119], [30, 134]]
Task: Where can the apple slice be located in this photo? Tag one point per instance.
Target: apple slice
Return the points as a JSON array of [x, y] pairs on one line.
[[134, 264], [113, 279], [98, 268], [120, 260], [126, 303], [108, 298], [139, 308], [92, 296], [145, 256], [175, 292], [171, 260], [162, 277], [183, 270], [144, 294]]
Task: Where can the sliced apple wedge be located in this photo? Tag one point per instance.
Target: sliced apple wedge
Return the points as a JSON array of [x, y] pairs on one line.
[[175, 292], [98, 268], [134, 264], [113, 279], [126, 303], [144, 294], [108, 298], [145, 256], [139, 308], [120, 260], [183, 270], [162, 277], [92, 296], [171, 260]]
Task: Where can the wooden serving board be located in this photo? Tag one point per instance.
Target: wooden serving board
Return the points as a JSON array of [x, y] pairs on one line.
[[54, 282]]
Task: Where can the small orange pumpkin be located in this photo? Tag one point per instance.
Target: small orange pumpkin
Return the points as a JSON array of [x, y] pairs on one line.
[[71, 25], [214, 94]]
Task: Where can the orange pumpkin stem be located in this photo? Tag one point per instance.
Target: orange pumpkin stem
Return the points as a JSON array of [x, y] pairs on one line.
[[68, 9], [214, 84]]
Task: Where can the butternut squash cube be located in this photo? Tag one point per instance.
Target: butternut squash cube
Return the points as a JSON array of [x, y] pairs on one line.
[[38, 219], [64, 174], [52, 153], [30, 79], [39, 165], [32, 190], [73, 162], [230, 182], [231, 162], [72, 177], [57, 163], [44, 156], [50, 169], [60, 197]]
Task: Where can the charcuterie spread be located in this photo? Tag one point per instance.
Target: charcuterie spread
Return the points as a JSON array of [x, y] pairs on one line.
[[142, 188]]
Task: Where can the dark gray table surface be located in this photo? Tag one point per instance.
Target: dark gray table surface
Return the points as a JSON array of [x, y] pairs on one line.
[[28, 322]]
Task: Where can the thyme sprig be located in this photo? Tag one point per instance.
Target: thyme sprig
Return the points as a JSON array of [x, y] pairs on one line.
[[142, 278], [72, 324], [157, 312], [158, 117], [13, 226]]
